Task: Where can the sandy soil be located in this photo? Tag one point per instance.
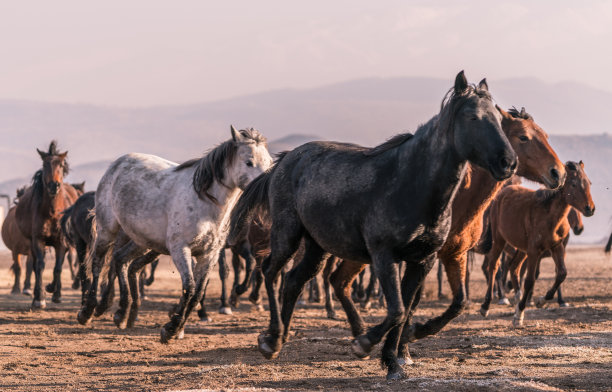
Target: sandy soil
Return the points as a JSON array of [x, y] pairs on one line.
[[566, 349]]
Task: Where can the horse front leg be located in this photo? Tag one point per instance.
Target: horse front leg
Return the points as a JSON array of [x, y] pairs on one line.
[[27, 282], [16, 267], [330, 264], [224, 275], [388, 273], [533, 259], [490, 265], [122, 260], [244, 251], [60, 255], [38, 253], [182, 260], [456, 267], [558, 255], [134, 276], [342, 281]]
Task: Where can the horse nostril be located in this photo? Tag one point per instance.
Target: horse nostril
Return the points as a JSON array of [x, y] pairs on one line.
[[554, 173], [514, 165]]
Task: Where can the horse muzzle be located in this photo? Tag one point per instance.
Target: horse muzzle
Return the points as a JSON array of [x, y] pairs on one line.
[[53, 188]]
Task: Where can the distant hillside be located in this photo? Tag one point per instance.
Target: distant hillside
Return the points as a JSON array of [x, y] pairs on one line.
[[363, 111]]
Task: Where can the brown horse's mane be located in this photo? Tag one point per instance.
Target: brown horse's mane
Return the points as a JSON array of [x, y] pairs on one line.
[[514, 112], [211, 166]]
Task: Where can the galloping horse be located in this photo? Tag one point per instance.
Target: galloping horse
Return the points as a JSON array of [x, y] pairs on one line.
[[180, 210], [535, 222], [38, 216], [537, 162], [380, 205]]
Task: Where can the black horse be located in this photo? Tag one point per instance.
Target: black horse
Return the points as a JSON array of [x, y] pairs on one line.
[[380, 205]]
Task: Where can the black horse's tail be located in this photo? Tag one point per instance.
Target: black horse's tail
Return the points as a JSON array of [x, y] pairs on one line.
[[66, 224], [609, 244], [255, 199]]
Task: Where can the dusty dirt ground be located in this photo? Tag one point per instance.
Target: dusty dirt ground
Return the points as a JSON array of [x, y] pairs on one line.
[[566, 349]]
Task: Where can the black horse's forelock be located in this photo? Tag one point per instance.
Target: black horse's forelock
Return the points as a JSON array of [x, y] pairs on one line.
[[211, 167], [53, 150]]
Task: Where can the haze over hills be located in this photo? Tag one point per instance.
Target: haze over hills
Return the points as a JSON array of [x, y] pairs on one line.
[[365, 111]]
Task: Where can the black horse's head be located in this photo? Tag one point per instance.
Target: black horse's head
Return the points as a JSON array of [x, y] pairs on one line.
[[476, 126]]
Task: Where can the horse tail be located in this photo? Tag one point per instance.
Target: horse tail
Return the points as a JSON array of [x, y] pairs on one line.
[[609, 244], [254, 199], [66, 223], [486, 243]]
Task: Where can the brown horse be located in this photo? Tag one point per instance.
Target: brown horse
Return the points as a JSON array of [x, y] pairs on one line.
[[511, 255], [38, 216], [19, 245], [535, 222], [537, 162], [609, 244]]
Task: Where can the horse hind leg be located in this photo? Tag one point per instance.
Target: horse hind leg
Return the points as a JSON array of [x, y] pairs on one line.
[[135, 278], [284, 240], [558, 254], [342, 280], [224, 276], [330, 264], [16, 268], [122, 259], [27, 281], [307, 269]]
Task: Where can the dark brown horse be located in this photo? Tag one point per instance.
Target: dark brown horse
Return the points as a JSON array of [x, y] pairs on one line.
[[537, 162], [535, 222], [38, 215], [609, 244]]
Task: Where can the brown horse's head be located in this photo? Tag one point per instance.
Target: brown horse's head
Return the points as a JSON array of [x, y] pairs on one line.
[[55, 167], [537, 160], [575, 220], [577, 189]]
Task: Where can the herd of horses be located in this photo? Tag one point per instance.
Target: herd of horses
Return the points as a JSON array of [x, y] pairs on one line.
[[444, 192]]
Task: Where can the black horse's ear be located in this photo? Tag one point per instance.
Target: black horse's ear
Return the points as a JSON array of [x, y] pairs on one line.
[[522, 114], [42, 154], [571, 166], [461, 83], [483, 85]]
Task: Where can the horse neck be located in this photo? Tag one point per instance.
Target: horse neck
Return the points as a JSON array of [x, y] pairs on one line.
[[226, 197], [440, 168], [52, 206], [474, 196]]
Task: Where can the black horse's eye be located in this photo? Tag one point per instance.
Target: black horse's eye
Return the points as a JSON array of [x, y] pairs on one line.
[[249, 163], [523, 138], [474, 118]]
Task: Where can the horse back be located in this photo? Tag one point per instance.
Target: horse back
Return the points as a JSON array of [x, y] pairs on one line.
[[12, 236]]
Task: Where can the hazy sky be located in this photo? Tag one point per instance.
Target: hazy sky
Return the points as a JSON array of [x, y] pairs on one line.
[[148, 52]]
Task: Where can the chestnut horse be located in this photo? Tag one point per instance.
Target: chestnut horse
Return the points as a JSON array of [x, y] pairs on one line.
[[535, 222], [537, 162], [38, 216], [574, 219], [18, 245]]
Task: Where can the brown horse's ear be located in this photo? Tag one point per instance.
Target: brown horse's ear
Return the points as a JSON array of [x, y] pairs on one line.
[[461, 83], [63, 155], [42, 154], [581, 164], [483, 85], [504, 113]]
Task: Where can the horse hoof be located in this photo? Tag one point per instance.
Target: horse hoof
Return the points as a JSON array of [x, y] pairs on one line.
[[27, 292], [259, 308], [76, 285], [503, 301], [540, 302], [517, 323], [332, 315], [50, 288], [484, 312], [407, 361], [301, 302], [82, 318], [181, 335], [56, 300], [564, 305], [38, 305], [15, 291], [265, 349], [165, 336], [206, 319], [361, 346], [392, 376], [225, 310], [119, 320]]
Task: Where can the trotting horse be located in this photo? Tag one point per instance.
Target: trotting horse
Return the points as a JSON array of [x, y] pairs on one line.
[[376, 205], [38, 216], [535, 222], [537, 162], [180, 210]]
